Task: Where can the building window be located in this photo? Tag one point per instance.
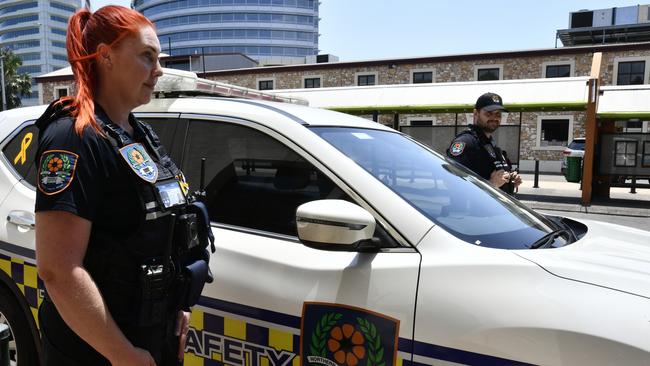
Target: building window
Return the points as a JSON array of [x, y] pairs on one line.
[[422, 77], [558, 71], [554, 132], [311, 83], [645, 160], [625, 155], [630, 73], [265, 85], [488, 72], [420, 122], [60, 92], [367, 79]]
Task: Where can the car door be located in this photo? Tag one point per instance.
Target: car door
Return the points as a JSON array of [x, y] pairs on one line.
[[19, 173], [274, 298]]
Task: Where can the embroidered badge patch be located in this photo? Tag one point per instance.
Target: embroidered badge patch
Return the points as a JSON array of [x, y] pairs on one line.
[[56, 171], [457, 148], [138, 159], [334, 335]]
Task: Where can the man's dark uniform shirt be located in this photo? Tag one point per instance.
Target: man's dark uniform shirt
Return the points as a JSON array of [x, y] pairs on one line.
[[479, 153]]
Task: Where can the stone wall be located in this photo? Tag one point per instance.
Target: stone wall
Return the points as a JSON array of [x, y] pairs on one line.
[[49, 88], [387, 74]]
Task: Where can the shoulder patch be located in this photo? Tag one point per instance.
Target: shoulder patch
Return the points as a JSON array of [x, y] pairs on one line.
[[56, 171], [457, 148], [138, 159]]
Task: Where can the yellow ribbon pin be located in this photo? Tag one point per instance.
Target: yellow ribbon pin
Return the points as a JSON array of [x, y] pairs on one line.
[[22, 155]]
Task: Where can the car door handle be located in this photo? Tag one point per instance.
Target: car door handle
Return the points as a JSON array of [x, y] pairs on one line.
[[22, 218]]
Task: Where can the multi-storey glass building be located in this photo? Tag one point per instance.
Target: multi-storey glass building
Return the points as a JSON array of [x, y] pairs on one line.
[[35, 31], [273, 32]]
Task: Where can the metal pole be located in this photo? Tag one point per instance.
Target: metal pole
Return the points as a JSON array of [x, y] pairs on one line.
[[203, 59], [2, 73], [536, 181]]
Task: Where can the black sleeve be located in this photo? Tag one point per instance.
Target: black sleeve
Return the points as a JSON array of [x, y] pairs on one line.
[[464, 150], [70, 174]]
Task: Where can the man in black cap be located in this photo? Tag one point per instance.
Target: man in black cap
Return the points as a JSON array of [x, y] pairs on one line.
[[475, 148]]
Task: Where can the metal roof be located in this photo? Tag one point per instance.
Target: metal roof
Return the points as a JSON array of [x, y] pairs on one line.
[[624, 102], [518, 95]]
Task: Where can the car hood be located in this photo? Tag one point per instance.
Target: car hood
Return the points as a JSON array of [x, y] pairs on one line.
[[612, 256]]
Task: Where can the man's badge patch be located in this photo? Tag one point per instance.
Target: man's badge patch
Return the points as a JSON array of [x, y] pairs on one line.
[[457, 148], [138, 159], [56, 171]]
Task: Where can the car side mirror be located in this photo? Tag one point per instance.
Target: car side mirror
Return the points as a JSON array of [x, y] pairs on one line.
[[335, 225]]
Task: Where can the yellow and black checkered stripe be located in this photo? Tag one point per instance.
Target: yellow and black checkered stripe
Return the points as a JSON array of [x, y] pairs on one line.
[[220, 338], [25, 277]]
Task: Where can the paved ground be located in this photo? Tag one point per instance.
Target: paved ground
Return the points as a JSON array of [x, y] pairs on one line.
[[555, 193]]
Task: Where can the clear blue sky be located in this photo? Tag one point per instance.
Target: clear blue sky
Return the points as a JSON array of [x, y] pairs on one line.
[[372, 29]]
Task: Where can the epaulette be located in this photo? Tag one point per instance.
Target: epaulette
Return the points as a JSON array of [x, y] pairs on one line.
[[57, 109]]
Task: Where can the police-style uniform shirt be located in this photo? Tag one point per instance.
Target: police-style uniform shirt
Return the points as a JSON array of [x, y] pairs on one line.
[[478, 152], [84, 176]]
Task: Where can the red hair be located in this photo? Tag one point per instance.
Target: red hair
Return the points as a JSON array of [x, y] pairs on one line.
[[109, 25]]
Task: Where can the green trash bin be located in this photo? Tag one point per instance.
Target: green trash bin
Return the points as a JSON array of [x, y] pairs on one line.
[[573, 169]]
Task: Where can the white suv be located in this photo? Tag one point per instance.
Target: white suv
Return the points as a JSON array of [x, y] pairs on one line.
[[575, 148], [343, 242]]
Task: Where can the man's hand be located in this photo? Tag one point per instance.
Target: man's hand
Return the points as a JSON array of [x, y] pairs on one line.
[[499, 178], [182, 327], [515, 178]]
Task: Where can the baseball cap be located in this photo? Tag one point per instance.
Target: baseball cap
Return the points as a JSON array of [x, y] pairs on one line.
[[490, 102]]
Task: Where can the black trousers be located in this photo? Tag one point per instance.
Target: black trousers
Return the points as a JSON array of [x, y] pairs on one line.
[[63, 347]]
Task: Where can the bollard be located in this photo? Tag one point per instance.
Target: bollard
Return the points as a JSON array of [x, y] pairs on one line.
[[5, 335], [536, 181], [633, 187]]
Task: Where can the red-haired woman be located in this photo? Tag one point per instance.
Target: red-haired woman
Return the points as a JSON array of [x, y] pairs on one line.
[[103, 235]]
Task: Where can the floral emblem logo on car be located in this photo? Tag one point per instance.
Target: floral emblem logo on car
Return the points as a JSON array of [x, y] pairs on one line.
[[340, 335]]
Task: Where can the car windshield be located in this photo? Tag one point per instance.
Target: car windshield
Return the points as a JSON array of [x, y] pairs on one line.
[[446, 192]]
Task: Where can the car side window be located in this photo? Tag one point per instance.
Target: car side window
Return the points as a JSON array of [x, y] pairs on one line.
[[251, 179], [20, 152], [165, 128]]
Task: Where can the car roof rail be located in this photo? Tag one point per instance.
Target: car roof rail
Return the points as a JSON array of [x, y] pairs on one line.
[[176, 83]]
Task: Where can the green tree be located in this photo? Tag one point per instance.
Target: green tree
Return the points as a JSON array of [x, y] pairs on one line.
[[16, 85]]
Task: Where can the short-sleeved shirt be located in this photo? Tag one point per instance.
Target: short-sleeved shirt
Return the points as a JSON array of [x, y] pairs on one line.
[[476, 151], [91, 183]]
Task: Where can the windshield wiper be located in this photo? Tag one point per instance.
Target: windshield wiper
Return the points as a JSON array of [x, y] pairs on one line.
[[548, 239]]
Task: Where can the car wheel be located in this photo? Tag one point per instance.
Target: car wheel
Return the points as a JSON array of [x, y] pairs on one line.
[[21, 342]]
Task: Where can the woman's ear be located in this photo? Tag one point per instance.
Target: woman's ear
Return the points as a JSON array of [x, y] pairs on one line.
[[104, 56]]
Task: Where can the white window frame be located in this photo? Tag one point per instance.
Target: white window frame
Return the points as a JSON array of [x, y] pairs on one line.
[[302, 85], [432, 71], [365, 73], [257, 83], [646, 72], [427, 117], [57, 88], [571, 63], [538, 139], [488, 66]]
